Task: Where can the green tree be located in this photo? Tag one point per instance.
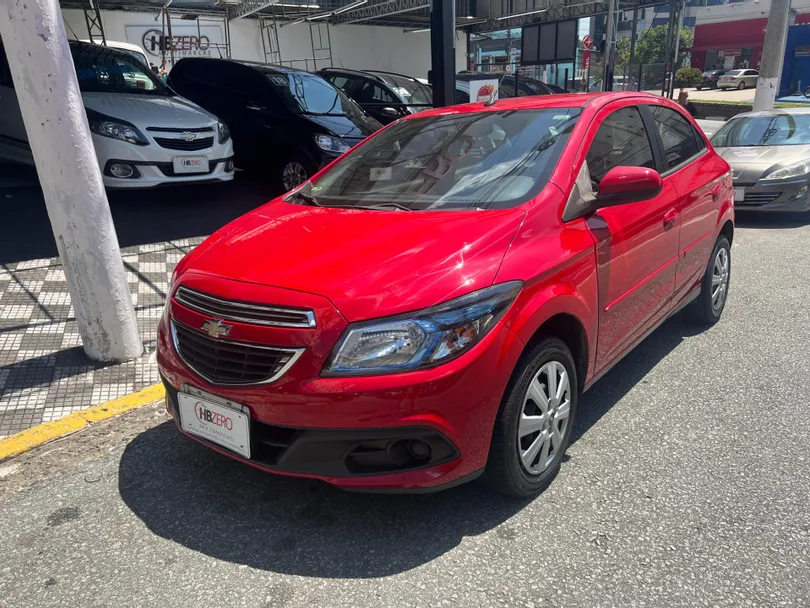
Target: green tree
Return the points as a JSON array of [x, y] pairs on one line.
[[651, 46]]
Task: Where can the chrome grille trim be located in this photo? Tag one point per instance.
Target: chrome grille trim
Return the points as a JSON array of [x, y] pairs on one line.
[[293, 353], [244, 312], [760, 198]]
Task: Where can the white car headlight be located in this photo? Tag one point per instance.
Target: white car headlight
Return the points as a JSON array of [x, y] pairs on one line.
[[328, 143], [795, 170], [115, 128], [223, 132], [421, 339]]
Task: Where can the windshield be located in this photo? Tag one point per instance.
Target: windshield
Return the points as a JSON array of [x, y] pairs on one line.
[[135, 55], [734, 73], [484, 160], [410, 91], [102, 70], [768, 130], [306, 93]]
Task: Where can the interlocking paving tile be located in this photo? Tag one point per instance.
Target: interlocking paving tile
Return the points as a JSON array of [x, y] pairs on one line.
[[44, 373]]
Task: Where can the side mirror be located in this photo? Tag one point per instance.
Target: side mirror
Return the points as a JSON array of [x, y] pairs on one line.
[[389, 112], [628, 185]]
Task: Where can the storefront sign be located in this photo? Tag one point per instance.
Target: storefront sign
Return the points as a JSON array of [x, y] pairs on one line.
[[586, 59], [187, 40], [483, 90], [731, 53]]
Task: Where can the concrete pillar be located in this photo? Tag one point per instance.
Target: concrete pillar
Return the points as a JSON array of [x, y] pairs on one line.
[[442, 55], [610, 54], [773, 54], [55, 120]]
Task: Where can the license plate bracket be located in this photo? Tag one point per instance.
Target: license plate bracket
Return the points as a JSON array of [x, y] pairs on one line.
[[739, 195], [217, 420], [190, 164]]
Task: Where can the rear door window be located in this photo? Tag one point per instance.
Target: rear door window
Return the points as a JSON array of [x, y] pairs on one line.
[[679, 138], [622, 140]]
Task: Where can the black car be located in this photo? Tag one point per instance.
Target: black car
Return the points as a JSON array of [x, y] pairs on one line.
[[384, 95], [285, 121], [709, 79], [506, 88]]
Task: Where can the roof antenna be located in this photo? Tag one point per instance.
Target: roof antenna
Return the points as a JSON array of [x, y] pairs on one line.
[[491, 101]]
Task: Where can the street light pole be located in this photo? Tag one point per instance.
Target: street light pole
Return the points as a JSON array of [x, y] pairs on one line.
[[42, 69], [773, 53]]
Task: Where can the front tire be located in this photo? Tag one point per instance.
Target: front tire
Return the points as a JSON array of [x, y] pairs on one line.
[[708, 306], [293, 173], [535, 420], [741, 86]]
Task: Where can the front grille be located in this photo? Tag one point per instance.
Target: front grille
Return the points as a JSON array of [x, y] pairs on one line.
[[760, 198], [244, 312], [180, 129], [182, 144], [224, 362]]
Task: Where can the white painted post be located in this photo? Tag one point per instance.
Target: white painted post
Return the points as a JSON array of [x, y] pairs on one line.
[[773, 54], [55, 120]]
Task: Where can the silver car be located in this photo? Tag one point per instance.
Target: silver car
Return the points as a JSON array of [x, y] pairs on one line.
[[738, 79], [769, 154]]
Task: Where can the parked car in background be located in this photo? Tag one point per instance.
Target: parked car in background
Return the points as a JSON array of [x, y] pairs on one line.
[[769, 154], [144, 134], [506, 88], [709, 79], [431, 307], [385, 96], [738, 79], [286, 123]]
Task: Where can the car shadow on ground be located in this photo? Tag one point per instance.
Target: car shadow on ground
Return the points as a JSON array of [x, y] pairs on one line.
[[186, 493], [141, 216]]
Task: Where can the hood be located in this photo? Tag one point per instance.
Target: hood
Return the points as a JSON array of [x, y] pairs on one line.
[[750, 163], [352, 128], [150, 110], [368, 263]]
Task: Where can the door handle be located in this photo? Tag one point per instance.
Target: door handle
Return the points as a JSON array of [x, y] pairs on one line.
[[716, 192], [669, 219]]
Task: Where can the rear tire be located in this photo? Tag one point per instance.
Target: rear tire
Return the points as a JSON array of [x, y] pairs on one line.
[[708, 306], [533, 428]]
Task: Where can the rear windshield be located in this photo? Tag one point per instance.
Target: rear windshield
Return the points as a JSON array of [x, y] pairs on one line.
[[102, 70], [775, 130], [410, 91], [733, 73], [306, 93], [484, 160]]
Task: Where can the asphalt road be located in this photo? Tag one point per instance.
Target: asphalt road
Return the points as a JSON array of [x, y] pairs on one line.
[[688, 485]]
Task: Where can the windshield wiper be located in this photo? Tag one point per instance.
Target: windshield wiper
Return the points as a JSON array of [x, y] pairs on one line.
[[312, 201]]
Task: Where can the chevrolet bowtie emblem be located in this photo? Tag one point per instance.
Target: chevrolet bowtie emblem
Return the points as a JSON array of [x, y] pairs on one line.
[[189, 136], [216, 328]]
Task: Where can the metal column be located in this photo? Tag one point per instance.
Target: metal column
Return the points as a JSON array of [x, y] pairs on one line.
[[443, 60], [610, 47], [95, 28], [676, 43]]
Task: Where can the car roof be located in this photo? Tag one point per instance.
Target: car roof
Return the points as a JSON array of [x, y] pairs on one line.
[[256, 65], [538, 102], [773, 112], [115, 44]]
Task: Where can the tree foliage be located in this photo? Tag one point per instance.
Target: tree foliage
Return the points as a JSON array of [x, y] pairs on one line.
[[651, 46]]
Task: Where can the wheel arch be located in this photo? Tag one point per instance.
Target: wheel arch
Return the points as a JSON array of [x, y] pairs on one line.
[[570, 330]]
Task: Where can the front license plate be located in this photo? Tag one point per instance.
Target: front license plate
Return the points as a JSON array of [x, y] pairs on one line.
[[190, 164], [216, 423], [739, 195]]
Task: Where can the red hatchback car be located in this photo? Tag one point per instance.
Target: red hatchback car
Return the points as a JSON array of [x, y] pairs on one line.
[[430, 307]]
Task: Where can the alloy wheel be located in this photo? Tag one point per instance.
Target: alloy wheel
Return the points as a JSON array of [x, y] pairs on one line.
[[544, 418], [294, 174], [720, 274]]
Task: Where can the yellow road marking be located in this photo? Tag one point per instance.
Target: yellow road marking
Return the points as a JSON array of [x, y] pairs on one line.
[[25, 440]]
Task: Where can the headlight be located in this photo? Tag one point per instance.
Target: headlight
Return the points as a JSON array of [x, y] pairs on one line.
[[421, 339], [795, 170], [223, 131], [327, 143], [107, 126]]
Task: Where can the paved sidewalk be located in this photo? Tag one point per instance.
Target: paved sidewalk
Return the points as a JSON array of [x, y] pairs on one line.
[[44, 373]]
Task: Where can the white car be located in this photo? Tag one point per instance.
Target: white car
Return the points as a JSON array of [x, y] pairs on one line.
[[143, 132], [126, 47]]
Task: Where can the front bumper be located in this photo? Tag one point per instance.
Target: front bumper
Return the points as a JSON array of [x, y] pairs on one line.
[[154, 165], [348, 431], [766, 195]]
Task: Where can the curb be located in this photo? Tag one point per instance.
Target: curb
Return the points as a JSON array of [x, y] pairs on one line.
[[23, 441]]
